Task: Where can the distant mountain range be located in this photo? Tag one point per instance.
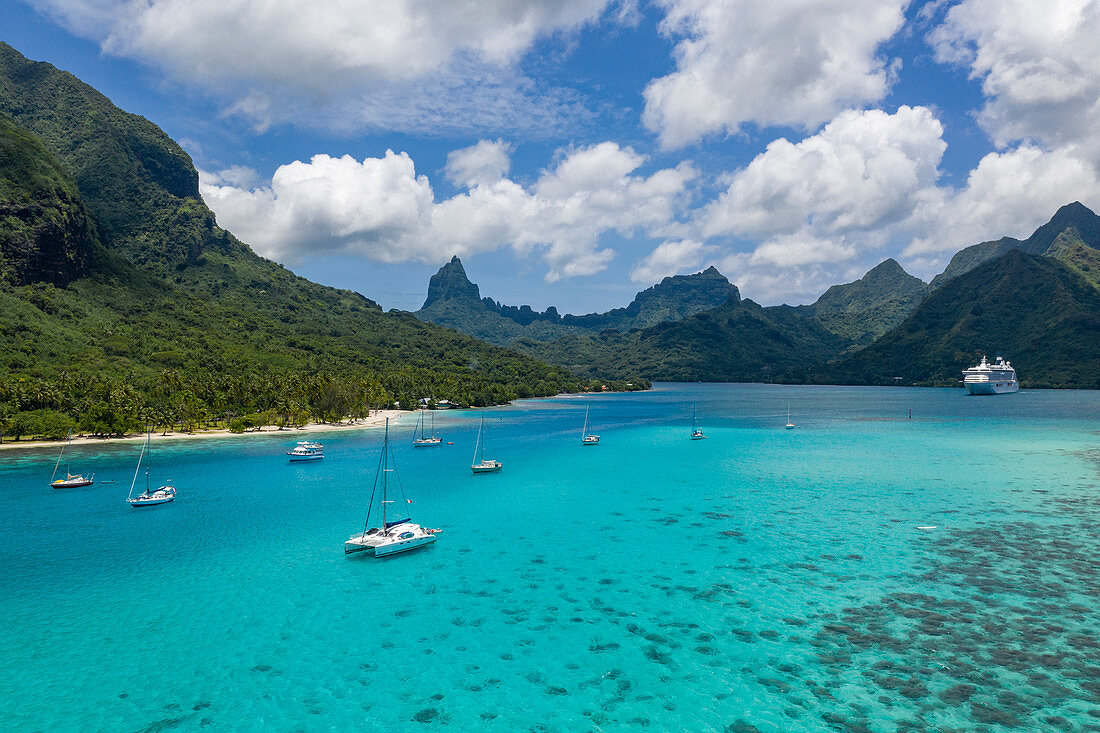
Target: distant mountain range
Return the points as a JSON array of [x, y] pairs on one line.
[[888, 327], [455, 302]]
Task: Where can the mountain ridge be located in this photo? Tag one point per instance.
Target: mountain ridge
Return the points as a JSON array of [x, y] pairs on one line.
[[1033, 310], [1074, 216], [454, 301]]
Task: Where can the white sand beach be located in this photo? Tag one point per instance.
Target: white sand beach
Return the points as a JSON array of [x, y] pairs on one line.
[[377, 419]]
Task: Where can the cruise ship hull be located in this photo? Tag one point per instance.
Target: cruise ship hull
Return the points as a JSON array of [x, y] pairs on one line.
[[981, 388]]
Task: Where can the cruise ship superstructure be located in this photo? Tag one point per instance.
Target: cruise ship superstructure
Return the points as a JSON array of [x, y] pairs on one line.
[[986, 378]]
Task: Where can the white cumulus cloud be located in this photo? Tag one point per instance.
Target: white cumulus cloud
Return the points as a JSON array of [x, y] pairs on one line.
[[1007, 194], [670, 258], [484, 163], [1039, 65], [355, 63], [769, 62], [381, 209], [861, 174]]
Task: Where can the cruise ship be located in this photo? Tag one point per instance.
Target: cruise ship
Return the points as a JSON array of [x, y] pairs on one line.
[[987, 378]]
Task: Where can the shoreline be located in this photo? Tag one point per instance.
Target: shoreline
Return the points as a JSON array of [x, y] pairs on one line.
[[375, 420]]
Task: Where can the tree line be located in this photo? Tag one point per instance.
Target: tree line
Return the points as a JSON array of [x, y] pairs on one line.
[[192, 400]]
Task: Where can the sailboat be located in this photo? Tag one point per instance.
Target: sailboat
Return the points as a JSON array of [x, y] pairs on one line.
[[479, 464], [587, 439], [696, 433], [392, 535], [422, 441], [789, 425], [149, 497], [70, 481]]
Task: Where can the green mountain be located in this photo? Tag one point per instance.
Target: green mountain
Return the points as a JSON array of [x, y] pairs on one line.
[[1068, 236], [863, 310], [123, 302], [738, 341], [455, 302], [1036, 311], [45, 231]]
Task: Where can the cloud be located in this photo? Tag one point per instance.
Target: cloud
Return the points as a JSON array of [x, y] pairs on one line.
[[484, 163], [670, 258], [800, 248], [1039, 65], [769, 285], [769, 62], [861, 174], [329, 205], [367, 64], [1007, 194], [380, 209]]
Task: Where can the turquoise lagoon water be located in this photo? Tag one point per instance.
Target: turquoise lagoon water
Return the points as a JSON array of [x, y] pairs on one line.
[[762, 579]]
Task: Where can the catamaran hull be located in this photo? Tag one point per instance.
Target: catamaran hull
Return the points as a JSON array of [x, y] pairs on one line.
[[391, 548]]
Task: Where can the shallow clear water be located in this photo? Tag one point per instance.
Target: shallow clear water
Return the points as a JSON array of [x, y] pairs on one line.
[[760, 579]]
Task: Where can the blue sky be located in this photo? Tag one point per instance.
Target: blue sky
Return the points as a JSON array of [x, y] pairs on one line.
[[573, 152]]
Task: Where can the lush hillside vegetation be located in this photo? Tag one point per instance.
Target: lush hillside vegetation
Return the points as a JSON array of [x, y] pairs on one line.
[[863, 310], [45, 232], [123, 303], [736, 342], [1035, 311], [1073, 224]]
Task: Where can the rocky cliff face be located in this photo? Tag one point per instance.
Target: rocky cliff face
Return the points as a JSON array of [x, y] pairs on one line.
[[451, 283], [46, 235]]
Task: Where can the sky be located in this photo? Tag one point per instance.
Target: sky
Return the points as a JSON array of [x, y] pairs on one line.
[[573, 152]]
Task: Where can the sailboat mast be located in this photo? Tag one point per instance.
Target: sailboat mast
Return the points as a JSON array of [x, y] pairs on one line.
[[385, 468], [138, 468], [584, 430], [59, 457], [477, 445]]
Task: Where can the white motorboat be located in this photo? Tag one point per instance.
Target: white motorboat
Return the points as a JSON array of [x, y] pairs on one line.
[[587, 439], [151, 496], [696, 433], [986, 378], [425, 441], [391, 536], [306, 451], [479, 463], [70, 481]]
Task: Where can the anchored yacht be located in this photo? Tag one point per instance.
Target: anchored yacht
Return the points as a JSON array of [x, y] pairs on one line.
[[307, 450], [986, 378]]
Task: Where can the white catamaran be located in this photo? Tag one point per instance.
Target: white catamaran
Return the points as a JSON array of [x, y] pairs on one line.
[[425, 441], [70, 481], [479, 463], [696, 433], [587, 439], [392, 535], [150, 497]]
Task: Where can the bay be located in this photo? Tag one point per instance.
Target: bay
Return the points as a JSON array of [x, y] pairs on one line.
[[864, 571]]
